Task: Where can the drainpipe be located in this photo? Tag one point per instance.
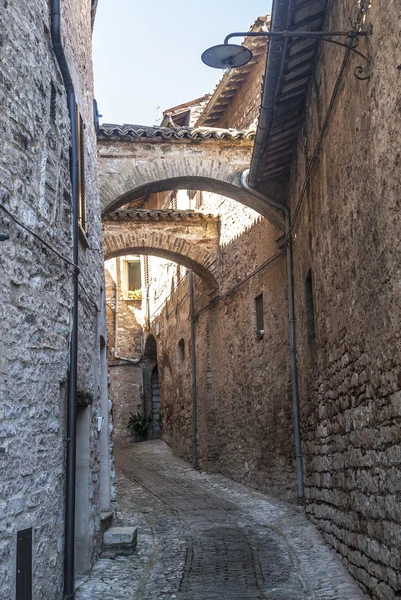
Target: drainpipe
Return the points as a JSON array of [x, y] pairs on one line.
[[291, 311], [193, 367], [73, 361]]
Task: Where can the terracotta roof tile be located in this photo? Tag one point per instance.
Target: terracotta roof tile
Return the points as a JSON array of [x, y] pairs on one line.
[[108, 130]]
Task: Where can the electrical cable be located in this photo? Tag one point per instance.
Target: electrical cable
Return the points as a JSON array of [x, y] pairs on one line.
[[41, 240]]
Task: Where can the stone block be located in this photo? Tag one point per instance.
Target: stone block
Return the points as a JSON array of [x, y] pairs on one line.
[[120, 540]]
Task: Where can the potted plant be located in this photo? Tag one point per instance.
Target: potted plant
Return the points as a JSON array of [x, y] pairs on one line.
[[158, 418], [138, 425]]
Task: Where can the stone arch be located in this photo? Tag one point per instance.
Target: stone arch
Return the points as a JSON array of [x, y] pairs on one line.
[[124, 180], [164, 245], [150, 351]]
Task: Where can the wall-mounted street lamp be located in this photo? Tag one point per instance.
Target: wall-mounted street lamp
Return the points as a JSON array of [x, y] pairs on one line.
[[230, 56]]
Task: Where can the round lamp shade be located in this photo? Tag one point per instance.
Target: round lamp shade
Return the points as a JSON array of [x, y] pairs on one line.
[[226, 56]]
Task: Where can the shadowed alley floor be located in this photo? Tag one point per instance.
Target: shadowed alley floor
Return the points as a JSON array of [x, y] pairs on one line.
[[205, 537]]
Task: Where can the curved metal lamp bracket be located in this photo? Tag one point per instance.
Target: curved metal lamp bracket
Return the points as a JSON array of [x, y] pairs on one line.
[[351, 41]]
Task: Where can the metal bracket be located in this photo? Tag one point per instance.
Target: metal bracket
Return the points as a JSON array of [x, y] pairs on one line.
[[351, 41]]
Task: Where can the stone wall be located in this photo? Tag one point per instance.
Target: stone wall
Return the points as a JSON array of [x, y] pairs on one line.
[[347, 235], [125, 377], [243, 383], [36, 290]]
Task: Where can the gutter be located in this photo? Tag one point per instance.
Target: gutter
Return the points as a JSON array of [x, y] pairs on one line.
[[291, 318], [93, 11], [73, 357], [274, 63]]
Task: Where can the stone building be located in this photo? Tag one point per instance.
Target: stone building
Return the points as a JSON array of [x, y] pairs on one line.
[[50, 221], [326, 147]]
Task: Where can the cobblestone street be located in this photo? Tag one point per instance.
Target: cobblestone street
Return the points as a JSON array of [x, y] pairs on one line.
[[204, 537]]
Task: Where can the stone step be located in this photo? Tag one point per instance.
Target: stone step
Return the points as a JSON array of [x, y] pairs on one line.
[[120, 541], [106, 520]]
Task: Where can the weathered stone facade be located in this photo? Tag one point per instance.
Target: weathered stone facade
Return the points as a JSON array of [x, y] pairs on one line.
[[36, 298], [347, 235]]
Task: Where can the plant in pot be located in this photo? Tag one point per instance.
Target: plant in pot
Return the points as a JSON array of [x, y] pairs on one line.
[[138, 425]]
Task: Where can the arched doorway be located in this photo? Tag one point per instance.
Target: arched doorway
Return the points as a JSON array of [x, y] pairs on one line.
[[155, 391]]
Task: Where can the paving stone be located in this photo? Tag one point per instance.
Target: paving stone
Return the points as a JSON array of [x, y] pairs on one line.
[[205, 537]]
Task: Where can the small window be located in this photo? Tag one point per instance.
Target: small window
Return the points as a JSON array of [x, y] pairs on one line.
[[260, 326], [181, 351], [81, 169], [134, 280], [310, 311]]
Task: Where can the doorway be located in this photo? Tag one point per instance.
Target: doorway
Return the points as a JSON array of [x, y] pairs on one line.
[[154, 384]]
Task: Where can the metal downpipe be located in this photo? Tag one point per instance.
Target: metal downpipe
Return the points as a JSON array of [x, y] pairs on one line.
[[291, 319], [193, 367], [73, 353]]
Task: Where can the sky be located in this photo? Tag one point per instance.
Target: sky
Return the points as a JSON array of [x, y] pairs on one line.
[[147, 52]]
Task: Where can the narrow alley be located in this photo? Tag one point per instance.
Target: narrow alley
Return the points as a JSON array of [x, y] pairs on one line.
[[204, 537]]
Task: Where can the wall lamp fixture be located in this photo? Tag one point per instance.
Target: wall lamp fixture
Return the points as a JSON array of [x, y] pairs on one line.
[[230, 56]]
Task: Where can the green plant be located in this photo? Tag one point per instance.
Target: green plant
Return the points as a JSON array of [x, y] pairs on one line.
[[138, 424], [159, 418]]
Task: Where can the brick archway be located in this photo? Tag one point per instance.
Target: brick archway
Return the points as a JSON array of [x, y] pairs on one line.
[[187, 238], [136, 162]]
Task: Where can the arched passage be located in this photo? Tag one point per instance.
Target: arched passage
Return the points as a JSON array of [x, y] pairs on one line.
[[188, 239], [151, 392], [132, 167]]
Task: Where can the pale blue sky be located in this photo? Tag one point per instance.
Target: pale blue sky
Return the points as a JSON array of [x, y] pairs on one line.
[[147, 52]]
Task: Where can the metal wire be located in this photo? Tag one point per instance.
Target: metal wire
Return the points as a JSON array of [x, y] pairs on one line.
[[35, 235]]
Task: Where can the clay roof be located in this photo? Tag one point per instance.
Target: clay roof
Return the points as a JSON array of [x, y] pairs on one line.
[[158, 215], [137, 132], [180, 107], [233, 79]]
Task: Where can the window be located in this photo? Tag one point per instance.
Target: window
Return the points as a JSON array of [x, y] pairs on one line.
[[81, 171], [181, 351], [310, 312], [134, 280], [131, 279], [260, 327]]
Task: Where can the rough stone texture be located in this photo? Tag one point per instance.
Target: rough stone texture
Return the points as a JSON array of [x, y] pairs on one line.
[[348, 235], [191, 241], [125, 378], [243, 386], [135, 168], [121, 541], [204, 537], [36, 288]]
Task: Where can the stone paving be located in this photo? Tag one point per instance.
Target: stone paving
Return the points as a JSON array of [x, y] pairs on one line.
[[205, 537]]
